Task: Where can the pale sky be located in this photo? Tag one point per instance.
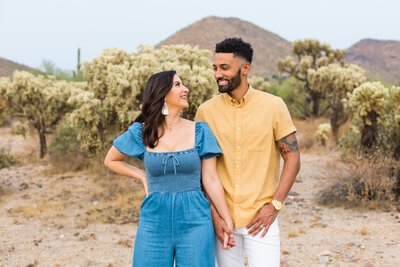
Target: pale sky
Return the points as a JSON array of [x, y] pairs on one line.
[[33, 30]]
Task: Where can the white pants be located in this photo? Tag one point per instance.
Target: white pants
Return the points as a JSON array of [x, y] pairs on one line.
[[261, 252]]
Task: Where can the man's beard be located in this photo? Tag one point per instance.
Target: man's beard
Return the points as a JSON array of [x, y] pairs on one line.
[[231, 85]]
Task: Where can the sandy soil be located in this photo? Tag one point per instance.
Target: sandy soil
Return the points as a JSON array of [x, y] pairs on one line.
[[49, 218]]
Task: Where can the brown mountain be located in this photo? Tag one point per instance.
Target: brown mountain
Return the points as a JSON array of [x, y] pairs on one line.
[[7, 67], [268, 47], [381, 59]]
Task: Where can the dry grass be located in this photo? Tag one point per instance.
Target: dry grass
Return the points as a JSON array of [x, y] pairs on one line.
[[306, 134], [364, 182]]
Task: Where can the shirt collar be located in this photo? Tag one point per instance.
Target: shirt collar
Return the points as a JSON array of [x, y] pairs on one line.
[[246, 98]]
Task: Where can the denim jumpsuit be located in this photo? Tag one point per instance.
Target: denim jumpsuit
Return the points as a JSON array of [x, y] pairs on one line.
[[175, 218]]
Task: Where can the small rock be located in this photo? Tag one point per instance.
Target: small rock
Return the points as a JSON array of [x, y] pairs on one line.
[[362, 247], [349, 256], [308, 212], [95, 203], [354, 260], [323, 258], [325, 253], [351, 244], [298, 199], [296, 213], [34, 205], [39, 185], [396, 217], [339, 243], [368, 265], [290, 197], [357, 245], [8, 208], [23, 186], [285, 252], [76, 234], [298, 179], [61, 236]]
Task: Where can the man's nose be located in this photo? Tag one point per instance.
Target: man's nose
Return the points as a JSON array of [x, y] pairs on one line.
[[217, 74]]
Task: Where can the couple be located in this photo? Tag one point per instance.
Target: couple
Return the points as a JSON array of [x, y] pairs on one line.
[[232, 150]]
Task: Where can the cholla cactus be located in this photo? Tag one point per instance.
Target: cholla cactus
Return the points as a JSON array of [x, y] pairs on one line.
[[259, 83], [42, 101], [334, 82], [310, 55], [323, 132], [368, 102], [117, 80], [395, 92]]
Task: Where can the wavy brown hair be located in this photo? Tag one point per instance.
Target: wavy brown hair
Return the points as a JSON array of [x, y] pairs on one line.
[[156, 89]]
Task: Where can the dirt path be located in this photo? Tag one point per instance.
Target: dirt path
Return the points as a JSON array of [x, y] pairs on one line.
[[76, 219]]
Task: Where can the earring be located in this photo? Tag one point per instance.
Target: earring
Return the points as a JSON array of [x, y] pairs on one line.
[[164, 110]]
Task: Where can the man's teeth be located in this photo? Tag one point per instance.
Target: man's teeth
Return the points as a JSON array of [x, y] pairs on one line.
[[222, 82]]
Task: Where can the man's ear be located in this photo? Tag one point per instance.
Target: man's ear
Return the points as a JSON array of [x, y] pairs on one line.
[[246, 68]]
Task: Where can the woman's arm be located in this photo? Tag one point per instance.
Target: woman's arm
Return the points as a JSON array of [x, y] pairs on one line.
[[115, 162], [214, 189]]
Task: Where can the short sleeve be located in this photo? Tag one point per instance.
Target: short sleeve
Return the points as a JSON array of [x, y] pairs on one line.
[[131, 142], [206, 144], [283, 124]]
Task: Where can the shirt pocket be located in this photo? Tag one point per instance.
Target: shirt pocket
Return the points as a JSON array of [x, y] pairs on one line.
[[257, 138]]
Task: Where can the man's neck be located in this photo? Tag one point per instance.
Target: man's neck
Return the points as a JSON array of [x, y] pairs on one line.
[[239, 92]]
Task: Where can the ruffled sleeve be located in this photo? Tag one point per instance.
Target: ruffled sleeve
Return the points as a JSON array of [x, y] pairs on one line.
[[131, 142], [206, 144]]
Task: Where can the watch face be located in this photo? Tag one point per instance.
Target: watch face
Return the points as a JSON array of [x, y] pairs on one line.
[[277, 204]]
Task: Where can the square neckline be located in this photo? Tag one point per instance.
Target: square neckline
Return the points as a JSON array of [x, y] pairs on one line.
[[178, 151]]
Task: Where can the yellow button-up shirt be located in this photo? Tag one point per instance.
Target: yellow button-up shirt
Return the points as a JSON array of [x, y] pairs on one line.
[[247, 132]]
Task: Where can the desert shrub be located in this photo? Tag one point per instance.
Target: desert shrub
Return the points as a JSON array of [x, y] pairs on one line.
[[367, 181], [6, 160], [323, 132], [64, 149]]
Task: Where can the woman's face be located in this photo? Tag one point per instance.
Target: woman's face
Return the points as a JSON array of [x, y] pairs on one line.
[[177, 96]]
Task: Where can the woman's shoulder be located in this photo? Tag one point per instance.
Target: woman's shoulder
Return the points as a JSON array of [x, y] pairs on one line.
[[136, 126]]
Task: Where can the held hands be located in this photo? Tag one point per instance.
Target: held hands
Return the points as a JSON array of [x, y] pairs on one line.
[[265, 217], [224, 232]]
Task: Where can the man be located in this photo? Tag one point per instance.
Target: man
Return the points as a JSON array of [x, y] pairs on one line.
[[253, 129]]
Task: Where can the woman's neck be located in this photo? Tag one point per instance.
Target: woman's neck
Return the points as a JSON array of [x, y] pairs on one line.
[[171, 121]]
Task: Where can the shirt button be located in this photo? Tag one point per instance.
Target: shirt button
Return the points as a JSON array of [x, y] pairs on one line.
[[238, 109], [238, 147], [238, 166], [237, 185], [238, 128]]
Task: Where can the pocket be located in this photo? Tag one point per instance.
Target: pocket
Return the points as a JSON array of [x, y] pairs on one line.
[[257, 137]]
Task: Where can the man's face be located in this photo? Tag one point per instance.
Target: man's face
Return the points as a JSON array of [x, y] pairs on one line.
[[227, 71]]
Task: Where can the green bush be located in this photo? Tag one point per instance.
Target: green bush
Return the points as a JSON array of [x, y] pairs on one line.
[[64, 149], [6, 160]]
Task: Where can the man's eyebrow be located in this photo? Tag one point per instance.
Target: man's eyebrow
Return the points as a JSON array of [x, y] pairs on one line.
[[222, 65]]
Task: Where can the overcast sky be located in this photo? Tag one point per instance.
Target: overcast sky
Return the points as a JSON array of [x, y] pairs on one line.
[[33, 30]]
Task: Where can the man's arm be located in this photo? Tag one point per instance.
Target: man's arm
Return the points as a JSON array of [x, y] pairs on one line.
[[289, 150]]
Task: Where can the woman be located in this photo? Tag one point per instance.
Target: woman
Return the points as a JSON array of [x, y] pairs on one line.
[[175, 218]]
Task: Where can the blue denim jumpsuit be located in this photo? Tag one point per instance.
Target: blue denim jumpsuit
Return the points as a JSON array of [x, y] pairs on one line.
[[175, 218]]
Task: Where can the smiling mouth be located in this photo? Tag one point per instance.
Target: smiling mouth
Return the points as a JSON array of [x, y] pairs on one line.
[[222, 82]]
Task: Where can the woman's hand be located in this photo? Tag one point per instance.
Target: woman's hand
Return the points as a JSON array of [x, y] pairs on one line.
[[228, 239], [143, 179]]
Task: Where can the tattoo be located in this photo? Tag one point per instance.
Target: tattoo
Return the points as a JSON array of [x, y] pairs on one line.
[[288, 144]]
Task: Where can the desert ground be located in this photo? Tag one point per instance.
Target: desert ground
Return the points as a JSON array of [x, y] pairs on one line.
[[50, 217]]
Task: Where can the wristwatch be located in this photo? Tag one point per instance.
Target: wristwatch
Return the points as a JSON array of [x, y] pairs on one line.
[[277, 204]]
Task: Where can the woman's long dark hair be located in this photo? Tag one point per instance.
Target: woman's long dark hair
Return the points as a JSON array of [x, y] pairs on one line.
[[156, 89]]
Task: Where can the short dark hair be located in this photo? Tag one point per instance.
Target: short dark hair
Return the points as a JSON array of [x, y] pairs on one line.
[[236, 46]]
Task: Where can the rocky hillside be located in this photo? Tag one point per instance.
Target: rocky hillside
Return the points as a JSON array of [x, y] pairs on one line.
[[268, 47], [380, 58], [7, 67]]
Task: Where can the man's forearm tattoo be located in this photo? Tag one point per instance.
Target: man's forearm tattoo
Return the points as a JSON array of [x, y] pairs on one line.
[[288, 144]]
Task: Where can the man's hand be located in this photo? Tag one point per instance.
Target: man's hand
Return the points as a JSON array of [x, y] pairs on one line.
[[265, 217], [224, 234]]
